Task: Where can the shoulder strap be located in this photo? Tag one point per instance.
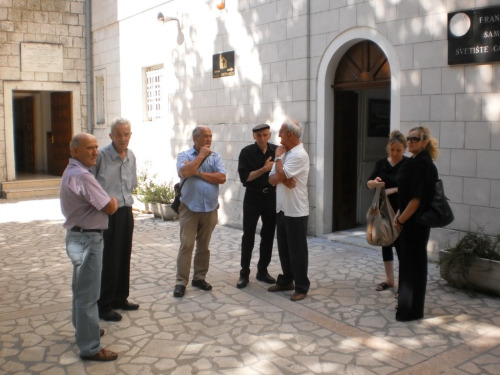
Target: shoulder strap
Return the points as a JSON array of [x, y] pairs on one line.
[[182, 184]]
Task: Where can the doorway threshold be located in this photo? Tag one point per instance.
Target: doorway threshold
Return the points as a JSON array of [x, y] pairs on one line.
[[355, 236]]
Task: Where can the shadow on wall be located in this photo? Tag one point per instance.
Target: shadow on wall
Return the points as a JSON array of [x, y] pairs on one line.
[[231, 106]]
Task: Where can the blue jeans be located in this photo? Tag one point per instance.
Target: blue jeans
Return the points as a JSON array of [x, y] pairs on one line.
[[85, 252]]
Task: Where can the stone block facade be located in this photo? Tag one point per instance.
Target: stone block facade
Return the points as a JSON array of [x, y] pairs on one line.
[[59, 22]]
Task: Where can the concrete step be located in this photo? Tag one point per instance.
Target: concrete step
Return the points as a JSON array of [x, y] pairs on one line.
[[30, 192], [29, 184]]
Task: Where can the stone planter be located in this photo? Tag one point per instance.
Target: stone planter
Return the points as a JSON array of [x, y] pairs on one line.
[[140, 206], [155, 208], [167, 213], [484, 276]]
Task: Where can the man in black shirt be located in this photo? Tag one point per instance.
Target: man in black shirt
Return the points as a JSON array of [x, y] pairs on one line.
[[254, 164]]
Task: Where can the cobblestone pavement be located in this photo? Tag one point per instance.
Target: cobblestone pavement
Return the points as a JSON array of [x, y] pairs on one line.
[[343, 327]]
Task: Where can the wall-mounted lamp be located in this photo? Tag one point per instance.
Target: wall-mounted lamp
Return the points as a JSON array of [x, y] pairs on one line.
[[180, 36], [221, 4]]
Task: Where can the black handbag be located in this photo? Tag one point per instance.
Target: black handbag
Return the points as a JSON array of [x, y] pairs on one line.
[[177, 189], [177, 200], [438, 214]]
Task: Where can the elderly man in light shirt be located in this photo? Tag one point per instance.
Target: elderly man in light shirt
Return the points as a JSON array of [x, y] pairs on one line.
[[116, 173], [86, 207], [204, 171], [292, 207]]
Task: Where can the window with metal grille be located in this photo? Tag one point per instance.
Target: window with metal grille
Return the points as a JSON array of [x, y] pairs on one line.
[[154, 79]]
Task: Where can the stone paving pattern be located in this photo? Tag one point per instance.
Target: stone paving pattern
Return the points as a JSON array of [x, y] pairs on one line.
[[343, 327]]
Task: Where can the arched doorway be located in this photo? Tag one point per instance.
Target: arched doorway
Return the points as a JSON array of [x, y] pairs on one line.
[[361, 126], [324, 188]]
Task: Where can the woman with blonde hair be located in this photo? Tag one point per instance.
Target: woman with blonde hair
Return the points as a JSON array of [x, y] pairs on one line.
[[386, 169], [416, 181]]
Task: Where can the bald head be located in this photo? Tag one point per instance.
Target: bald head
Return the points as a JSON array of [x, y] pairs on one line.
[[83, 148]]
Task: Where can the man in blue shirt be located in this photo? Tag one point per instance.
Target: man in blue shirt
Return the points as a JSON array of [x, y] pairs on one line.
[[204, 171]]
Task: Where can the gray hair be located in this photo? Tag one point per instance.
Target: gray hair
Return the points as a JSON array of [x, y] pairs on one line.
[[197, 130], [119, 121], [293, 126]]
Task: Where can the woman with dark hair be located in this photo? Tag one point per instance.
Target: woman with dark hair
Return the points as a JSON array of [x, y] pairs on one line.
[[416, 181], [386, 170]]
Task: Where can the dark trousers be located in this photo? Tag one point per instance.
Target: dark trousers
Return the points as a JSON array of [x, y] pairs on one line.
[[257, 205], [293, 251], [115, 279]]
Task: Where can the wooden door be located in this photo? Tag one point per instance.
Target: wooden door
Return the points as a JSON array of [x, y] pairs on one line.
[[345, 145], [61, 131], [24, 134]]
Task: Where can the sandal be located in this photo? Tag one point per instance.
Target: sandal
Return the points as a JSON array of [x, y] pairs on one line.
[[383, 286]]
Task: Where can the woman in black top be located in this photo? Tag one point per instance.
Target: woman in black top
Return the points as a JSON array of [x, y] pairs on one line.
[[386, 170], [416, 181]]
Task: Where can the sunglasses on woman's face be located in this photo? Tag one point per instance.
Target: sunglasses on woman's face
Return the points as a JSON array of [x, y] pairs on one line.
[[413, 139]]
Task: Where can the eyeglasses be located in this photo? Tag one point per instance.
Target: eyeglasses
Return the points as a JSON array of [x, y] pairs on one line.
[[413, 139]]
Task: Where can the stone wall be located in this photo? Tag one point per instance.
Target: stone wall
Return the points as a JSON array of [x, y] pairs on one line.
[[42, 21]]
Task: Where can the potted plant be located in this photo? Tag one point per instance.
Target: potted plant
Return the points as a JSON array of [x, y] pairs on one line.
[[143, 189], [166, 196], [160, 197], [474, 263]]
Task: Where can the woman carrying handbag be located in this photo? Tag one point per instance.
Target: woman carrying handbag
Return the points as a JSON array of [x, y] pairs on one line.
[[416, 185], [386, 170]]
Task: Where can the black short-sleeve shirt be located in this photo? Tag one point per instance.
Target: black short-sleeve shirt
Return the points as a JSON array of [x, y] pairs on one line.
[[252, 158]]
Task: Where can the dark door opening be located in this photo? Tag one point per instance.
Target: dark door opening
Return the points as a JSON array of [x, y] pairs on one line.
[[24, 135], [345, 143]]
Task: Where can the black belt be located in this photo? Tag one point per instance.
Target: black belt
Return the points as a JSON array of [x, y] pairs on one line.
[[264, 191], [78, 229]]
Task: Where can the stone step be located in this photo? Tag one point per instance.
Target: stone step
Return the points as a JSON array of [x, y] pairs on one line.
[[30, 192], [29, 184]]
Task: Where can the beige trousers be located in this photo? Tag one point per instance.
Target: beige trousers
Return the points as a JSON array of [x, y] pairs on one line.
[[195, 226]]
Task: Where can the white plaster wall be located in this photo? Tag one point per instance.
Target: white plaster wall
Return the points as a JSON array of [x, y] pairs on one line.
[[286, 56]]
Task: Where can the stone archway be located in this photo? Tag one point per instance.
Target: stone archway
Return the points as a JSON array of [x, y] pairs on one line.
[[325, 112]]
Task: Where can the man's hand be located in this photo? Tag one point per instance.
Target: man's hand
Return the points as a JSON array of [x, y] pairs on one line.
[[205, 151], [111, 207], [280, 150], [268, 165], [290, 183]]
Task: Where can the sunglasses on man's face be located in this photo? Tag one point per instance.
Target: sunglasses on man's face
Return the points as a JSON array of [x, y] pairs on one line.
[[413, 139]]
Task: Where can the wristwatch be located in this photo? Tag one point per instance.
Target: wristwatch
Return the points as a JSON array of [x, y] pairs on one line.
[[277, 158]]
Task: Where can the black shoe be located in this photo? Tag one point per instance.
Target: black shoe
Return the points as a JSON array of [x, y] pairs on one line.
[[265, 277], [202, 284], [110, 316], [242, 282], [179, 291], [125, 305]]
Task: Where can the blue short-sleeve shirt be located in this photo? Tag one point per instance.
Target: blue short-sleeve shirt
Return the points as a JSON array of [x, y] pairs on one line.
[[199, 195]]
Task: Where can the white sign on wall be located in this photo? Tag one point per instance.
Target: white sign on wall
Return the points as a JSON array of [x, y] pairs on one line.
[[41, 57]]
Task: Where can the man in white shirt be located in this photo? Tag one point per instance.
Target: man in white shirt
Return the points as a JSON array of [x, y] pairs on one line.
[[292, 207]]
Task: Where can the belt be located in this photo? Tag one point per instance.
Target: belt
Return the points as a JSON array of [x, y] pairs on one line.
[[78, 229], [264, 191]]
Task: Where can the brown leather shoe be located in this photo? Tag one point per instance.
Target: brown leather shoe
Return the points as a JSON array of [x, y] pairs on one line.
[[103, 356], [281, 288], [101, 332], [298, 296]]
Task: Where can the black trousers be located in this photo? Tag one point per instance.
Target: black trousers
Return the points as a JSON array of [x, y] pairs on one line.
[[257, 205], [115, 278], [293, 251]]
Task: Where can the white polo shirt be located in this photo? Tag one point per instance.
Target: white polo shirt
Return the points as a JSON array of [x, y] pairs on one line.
[[294, 202]]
